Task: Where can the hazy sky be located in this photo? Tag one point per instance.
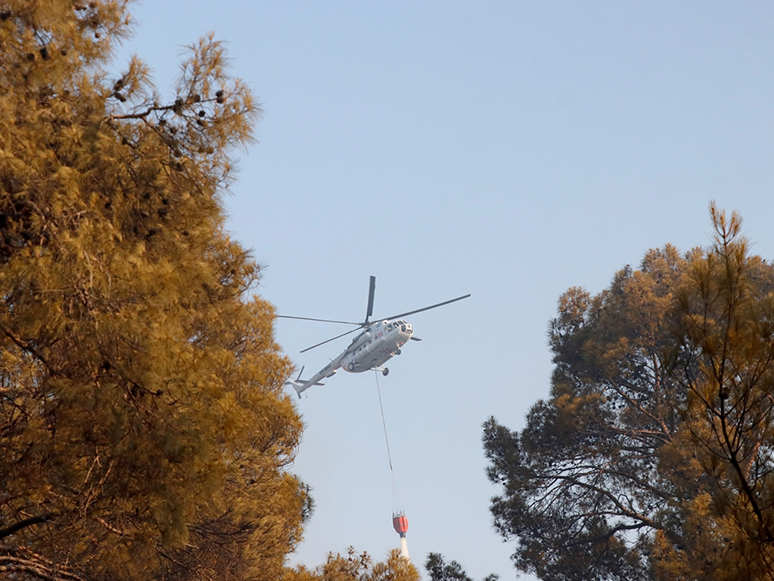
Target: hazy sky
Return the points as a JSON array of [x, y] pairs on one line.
[[505, 149]]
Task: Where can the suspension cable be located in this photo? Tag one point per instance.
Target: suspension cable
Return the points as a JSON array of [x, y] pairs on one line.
[[384, 424], [395, 493]]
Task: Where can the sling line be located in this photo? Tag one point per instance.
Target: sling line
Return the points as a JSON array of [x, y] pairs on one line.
[[395, 493]]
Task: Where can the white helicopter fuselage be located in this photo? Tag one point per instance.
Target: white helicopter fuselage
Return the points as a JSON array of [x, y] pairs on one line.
[[371, 349], [376, 345]]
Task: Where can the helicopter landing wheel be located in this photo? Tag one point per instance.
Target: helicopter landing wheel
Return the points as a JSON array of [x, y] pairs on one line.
[[385, 371], [397, 352], [351, 366]]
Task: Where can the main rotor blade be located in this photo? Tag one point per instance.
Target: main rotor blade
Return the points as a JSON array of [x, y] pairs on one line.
[[427, 308], [371, 289], [318, 320], [332, 339]]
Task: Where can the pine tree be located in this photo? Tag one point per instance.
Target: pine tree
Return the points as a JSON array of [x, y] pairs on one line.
[[144, 431], [652, 458], [727, 326], [356, 566], [441, 570], [582, 486]]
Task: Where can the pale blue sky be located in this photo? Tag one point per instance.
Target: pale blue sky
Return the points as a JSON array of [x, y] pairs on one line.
[[506, 149]]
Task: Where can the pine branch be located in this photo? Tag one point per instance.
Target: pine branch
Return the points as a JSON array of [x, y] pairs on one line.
[[27, 522]]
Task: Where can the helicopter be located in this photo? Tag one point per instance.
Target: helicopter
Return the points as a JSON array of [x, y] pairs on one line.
[[377, 342]]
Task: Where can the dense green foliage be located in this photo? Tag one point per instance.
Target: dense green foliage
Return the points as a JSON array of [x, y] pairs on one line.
[[143, 426], [652, 457]]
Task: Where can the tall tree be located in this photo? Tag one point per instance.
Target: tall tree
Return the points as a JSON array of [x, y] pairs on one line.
[[627, 471], [582, 486], [144, 431], [727, 326]]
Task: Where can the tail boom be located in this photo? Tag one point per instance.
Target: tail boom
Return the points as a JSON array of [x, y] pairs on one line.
[[302, 386]]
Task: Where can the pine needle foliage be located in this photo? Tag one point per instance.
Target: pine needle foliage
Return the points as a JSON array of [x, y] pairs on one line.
[[441, 570], [727, 307], [144, 432], [356, 566], [652, 458]]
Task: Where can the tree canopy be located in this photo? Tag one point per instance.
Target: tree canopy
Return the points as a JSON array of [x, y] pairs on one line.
[[356, 566], [441, 570], [652, 457], [144, 432]]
